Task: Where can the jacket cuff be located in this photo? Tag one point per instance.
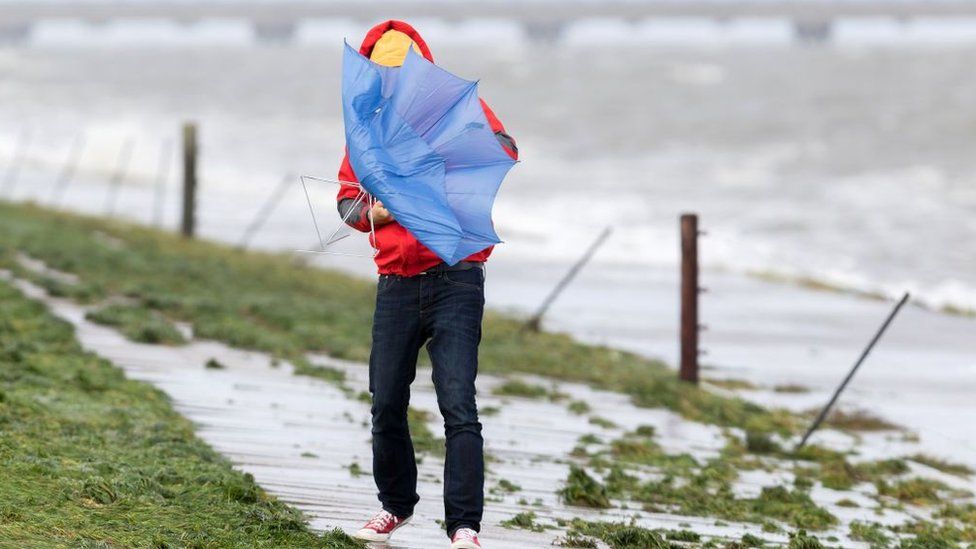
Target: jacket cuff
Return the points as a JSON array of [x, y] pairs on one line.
[[358, 218]]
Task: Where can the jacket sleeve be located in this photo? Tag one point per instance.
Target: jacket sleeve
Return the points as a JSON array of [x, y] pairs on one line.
[[358, 218], [507, 142]]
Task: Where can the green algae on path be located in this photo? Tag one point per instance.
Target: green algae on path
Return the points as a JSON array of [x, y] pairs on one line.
[[957, 469], [583, 490], [524, 389], [270, 303], [138, 324], [91, 458], [685, 486], [635, 468]]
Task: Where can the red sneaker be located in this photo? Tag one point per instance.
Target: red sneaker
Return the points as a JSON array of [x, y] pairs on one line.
[[465, 538], [380, 527]]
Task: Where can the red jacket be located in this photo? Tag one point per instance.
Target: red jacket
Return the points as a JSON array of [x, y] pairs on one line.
[[399, 252]]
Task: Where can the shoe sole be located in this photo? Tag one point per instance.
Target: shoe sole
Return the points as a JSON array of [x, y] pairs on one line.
[[372, 535]]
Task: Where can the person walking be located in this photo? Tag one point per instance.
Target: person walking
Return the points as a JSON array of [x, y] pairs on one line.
[[421, 300]]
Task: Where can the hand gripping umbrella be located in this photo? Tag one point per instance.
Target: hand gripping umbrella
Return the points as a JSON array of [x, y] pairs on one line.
[[419, 141]]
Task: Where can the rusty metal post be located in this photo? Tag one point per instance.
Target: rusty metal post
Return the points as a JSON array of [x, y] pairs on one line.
[[689, 298], [188, 225]]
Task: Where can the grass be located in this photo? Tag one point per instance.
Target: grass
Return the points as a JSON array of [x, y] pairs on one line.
[[524, 521], [857, 420], [619, 535], [578, 407], [506, 486], [685, 485], [916, 491], [575, 539], [138, 324], [424, 440], [761, 443], [733, 384], [958, 469], [89, 458], [749, 540], [332, 375], [271, 303], [871, 533], [602, 422], [791, 388], [708, 492], [524, 389], [836, 472], [802, 540], [582, 490], [622, 535], [929, 535]]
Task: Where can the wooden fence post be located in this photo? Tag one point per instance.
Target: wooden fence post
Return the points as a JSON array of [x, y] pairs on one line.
[[689, 298], [189, 179]]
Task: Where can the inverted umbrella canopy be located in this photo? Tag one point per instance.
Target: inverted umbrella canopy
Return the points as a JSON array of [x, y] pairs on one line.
[[419, 141]]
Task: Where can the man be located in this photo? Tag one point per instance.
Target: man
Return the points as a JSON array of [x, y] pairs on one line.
[[420, 300]]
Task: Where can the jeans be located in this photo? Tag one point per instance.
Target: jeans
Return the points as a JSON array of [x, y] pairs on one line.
[[443, 309]]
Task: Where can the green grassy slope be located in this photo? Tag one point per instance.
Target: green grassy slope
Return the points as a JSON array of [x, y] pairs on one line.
[[270, 303], [91, 459]]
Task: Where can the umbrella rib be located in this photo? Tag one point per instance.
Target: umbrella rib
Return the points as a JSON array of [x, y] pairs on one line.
[[454, 104], [311, 210], [332, 239], [359, 198], [336, 181]]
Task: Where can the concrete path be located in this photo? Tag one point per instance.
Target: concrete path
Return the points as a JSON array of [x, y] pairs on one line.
[[300, 436], [307, 441]]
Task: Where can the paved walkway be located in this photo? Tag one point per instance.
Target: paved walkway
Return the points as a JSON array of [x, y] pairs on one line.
[[306, 440], [300, 436]]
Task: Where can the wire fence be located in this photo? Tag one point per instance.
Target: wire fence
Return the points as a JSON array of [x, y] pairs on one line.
[[71, 182]]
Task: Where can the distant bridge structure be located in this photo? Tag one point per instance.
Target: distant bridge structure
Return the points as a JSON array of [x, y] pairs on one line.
[[277, 21]]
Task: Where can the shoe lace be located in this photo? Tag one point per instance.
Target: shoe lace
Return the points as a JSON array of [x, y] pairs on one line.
[[466, 534], [381, 520]]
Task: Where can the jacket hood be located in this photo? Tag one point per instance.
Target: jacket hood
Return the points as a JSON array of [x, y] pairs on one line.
[[376, 32]]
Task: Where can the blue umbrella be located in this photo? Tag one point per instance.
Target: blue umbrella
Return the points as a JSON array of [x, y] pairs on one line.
[[419, 141]]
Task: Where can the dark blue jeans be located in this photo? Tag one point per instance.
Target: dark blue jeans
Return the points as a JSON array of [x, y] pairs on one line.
[[444, 310]]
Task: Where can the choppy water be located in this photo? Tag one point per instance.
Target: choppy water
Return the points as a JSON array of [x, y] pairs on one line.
[[853, 165], [845, 163]]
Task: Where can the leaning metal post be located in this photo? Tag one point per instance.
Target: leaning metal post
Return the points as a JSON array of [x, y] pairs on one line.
[[68, 171], [162, 177], [12, 175], [266, 209], [535, 321], [121, 167], [850, 375]]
